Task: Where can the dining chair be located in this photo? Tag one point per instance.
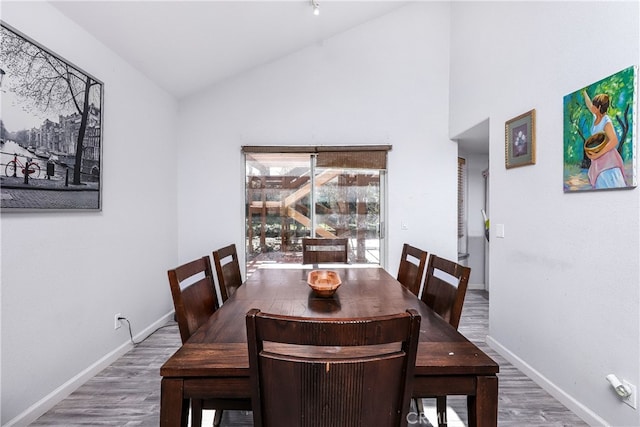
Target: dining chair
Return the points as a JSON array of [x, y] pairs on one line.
[[227, 270], [194, 295], [323, 250], [445, 286], [331, 372], [195, 301], [411, 268]]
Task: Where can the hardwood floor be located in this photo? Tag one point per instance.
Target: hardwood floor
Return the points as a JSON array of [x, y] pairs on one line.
[[127, 393]]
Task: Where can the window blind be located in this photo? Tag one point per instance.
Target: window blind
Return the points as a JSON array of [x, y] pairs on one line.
[[345, 157], [462, 184]]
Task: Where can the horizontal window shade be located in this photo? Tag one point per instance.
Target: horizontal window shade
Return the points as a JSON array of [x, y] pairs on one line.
[[352, 159], [277, 149], [345, 157], [462, 184]]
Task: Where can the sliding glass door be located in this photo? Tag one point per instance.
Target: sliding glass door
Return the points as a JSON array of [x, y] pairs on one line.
[[347, 204], [290, 196], [278, 200]]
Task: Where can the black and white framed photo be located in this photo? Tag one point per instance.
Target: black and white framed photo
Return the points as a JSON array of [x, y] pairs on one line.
[[50, 129]]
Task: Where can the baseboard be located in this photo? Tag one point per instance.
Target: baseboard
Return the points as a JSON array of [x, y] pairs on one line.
[[39, 408], [476, 286], [563, 397]]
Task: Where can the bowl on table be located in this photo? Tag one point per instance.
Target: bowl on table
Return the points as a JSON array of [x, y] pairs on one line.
[[324, 282]]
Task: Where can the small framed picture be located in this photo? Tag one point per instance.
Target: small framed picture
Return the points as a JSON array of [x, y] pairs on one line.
[[520, 140]]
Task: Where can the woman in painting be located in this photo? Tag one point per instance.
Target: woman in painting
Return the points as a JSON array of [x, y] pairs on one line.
[[607, 169]]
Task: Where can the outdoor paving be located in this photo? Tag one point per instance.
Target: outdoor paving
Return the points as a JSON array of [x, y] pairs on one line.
[[45, 193]]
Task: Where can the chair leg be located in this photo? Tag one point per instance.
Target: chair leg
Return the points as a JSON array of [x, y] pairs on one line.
[[196, 412], [419, 406], [441, 406], [217, 418]]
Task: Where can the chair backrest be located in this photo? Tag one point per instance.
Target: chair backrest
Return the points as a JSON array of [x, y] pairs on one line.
[[331, 372], [441, 292], [228, 270], [321, 250], [194, 295], [411, 268]]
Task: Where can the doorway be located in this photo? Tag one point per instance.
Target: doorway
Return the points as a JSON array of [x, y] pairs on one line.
[[474, 247]]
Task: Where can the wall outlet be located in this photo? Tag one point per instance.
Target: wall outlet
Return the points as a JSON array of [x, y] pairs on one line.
[[116, 321], [632, 400]]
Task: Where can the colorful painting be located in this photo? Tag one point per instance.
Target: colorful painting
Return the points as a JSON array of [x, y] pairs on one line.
[[600, 134]]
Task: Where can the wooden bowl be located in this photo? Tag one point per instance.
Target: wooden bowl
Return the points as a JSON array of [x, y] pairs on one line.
[[324, 282]]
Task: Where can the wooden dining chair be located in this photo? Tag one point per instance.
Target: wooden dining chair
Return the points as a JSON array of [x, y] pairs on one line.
[[194, 295], [227, 270], [195, 301], [411, 268], [445, 286], [323, 250], [331, 372]]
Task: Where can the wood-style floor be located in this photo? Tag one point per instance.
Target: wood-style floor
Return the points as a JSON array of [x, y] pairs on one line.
[[127, 393]]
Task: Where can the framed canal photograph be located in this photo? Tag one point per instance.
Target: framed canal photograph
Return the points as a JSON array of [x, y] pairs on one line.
[[599, 134], [520, 140], [50, 129]]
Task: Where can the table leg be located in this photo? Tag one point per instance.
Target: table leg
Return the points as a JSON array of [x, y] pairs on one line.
[[174, 409], [483, 407]]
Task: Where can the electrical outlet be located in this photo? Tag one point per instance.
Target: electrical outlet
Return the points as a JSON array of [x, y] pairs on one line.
[[116, 321], [632, 400]]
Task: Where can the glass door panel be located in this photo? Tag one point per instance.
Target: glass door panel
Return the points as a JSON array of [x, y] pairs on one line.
[[279, 194], [347, 204], [278, 190]]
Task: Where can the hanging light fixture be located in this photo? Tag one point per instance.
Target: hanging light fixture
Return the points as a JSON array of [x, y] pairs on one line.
[[316, 7]]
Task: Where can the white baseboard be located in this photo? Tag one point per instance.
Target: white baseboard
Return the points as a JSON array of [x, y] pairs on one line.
[[563, 397], [475, 287], [39, 408]]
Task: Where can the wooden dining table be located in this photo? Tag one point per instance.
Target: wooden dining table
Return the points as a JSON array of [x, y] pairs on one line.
[[214, 362]]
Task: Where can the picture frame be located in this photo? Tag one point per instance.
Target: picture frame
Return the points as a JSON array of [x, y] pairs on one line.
[[50, 130], [600, 134], [520, 140]]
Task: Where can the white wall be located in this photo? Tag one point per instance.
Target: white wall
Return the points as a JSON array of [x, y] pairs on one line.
[[565, 279], [384, 82], [59, 295]]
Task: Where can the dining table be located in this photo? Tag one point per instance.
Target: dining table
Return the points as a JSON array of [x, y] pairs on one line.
[[214, 362]]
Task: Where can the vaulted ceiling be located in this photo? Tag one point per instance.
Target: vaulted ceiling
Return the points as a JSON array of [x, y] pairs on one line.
[[185, 46]]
